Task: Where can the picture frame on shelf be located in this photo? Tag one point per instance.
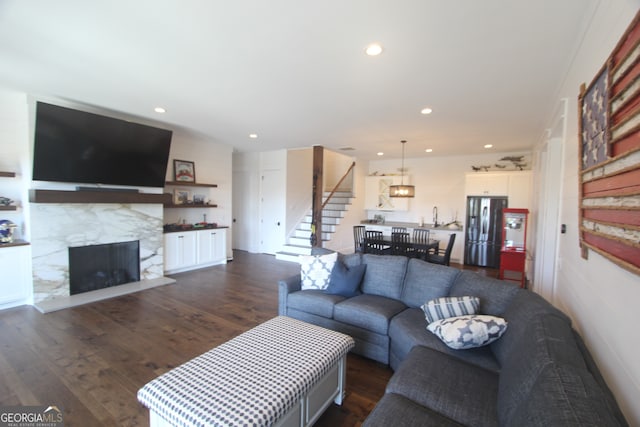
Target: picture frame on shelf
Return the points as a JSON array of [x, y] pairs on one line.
[[184, 171], [181, 196], [198, 199]]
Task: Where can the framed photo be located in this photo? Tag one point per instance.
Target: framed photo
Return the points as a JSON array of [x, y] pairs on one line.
[[184, 171], [198, 199], [181, 196]]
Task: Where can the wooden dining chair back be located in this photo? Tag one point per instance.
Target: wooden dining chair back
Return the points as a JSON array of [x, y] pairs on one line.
[[420, 237], [398, 230], [358, 238], [400, 244], [443, 257], [373, 242]]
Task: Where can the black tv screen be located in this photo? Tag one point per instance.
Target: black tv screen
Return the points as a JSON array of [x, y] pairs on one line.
[[80, 147]]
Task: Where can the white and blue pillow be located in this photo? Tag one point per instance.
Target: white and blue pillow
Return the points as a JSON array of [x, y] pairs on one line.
[[445, 307], [315, 270], [463, 332]]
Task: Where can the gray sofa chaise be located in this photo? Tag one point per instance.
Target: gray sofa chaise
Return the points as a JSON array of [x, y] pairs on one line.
[[538, 373]]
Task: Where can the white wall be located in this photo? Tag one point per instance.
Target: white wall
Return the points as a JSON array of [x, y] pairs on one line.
[[601, 297], [299, 184]]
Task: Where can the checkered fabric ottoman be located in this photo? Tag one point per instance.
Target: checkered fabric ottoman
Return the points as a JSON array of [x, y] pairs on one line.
[[283, 372]]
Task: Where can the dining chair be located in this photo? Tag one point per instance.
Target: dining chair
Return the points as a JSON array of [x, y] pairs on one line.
[[358, 238], [443, 257], [400, 244], [398, 230], [420, 237], [373, 242]]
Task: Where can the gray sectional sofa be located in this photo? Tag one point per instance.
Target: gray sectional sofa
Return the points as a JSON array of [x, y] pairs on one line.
[[539, 372]]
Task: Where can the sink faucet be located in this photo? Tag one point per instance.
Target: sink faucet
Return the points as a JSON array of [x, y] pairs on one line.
[[435, 216]]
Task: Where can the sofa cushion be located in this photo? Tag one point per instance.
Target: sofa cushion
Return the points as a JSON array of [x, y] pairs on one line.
[[447, 385], [371, 312], [445, 307], [398, 411], [546, 340], [315, 270], [346, 281], [384, 275], [495, 295], [314, 301], [464, 332], [563, 395], [407, 330], [425, 281], [350, 260]]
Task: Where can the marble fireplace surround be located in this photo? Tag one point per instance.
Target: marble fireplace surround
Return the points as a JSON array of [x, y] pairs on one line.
[[58, 226]]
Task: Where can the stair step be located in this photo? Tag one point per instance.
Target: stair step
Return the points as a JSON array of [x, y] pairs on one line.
[[286, 256], [297, 249]]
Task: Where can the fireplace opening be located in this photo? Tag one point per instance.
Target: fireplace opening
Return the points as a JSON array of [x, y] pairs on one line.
[[101, 266]]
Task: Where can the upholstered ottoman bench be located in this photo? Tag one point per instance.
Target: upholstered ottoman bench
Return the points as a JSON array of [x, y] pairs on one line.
[[283, 372]]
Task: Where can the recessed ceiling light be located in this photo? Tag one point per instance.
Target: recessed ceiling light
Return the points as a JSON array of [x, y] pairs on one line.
[[429, 150], [253, 135], [374, 49], [380, 153], [426, 110], [159, 110], [488, 146]]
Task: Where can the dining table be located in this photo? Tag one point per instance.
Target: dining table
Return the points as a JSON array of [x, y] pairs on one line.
[[411, 247]]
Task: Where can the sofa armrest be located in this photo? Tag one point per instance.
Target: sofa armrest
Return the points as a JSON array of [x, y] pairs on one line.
[[285, 287]]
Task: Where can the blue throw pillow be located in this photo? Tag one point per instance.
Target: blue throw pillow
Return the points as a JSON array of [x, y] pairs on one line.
[[346, 281]]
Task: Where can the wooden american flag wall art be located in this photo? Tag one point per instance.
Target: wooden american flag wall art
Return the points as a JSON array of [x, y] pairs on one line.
[[609, 126]]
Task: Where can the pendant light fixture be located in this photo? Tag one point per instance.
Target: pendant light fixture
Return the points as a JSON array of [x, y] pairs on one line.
[[402, 190]]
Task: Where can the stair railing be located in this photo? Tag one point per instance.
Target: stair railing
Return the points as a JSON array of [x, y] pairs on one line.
[[338, 185]]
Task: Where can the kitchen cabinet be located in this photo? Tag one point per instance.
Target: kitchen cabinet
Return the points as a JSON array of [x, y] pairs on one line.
[[487, 184], [189, 250], [15, 264], [377, 193]]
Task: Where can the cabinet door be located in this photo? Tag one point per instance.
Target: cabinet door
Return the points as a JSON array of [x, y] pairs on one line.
[[211, 246], [487, 184], [179, 250], [14, 265], [377, 194]]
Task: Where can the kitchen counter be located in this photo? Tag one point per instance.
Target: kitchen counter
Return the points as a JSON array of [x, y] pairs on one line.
[[408, 225]]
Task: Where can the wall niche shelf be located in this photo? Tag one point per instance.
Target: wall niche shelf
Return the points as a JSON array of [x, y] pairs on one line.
[[60, 196], [8, 208], [188, 206], [190, 184], [7, 174], [4, 174]]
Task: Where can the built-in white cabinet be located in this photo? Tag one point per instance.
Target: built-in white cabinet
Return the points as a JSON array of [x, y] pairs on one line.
[[516, 185], [188, 250], [211, 246], [487, 184], [377, 194], [179, 250], [15, 285]]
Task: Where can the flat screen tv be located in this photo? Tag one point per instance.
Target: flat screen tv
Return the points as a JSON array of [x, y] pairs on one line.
[[80, 147]]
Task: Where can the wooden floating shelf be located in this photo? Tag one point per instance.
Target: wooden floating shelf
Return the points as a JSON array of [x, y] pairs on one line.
[[8, 208], [14, 244], [190, 184], [172, 205], [58, 196], [8, 174]]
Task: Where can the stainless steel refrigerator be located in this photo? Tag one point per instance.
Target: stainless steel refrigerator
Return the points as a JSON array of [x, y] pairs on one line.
[[484, 231]]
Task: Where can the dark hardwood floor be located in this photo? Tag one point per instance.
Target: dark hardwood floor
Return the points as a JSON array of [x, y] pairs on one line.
[[91, 360]]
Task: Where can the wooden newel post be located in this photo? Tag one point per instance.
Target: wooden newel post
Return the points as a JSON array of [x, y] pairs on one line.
[[316, 203]]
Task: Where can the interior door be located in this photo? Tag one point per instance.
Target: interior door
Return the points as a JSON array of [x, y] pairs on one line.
[[272, 205], [241, 213]]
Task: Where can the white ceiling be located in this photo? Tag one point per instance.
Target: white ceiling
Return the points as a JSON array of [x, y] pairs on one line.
[[295, 72]]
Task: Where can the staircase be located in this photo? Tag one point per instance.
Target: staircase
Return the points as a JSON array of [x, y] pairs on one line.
[[299, 243]]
